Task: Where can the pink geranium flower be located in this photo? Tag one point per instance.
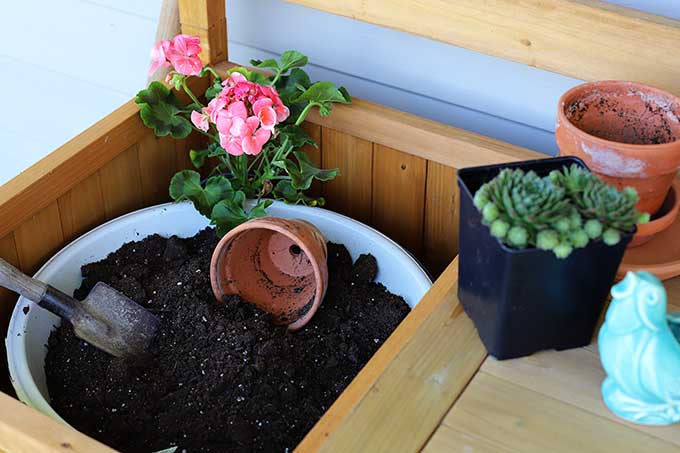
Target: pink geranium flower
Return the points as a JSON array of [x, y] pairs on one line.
[[282, 112], [253, 137], [183, 54], [158, 55], [225, 117], [265, 113], [231, 144], [200, 120]]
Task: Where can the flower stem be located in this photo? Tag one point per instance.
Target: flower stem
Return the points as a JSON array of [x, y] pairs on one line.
[[190, 93], [304, 113]]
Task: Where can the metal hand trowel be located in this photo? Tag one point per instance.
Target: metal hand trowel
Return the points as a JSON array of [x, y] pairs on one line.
[[106, 318]]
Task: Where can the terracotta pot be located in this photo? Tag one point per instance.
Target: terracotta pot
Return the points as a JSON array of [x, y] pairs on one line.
[[663, 219], [626, 132], [277, 264]]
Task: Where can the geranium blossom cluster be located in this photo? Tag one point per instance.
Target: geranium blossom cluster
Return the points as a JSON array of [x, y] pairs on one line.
[[181, 53], [245, 114]]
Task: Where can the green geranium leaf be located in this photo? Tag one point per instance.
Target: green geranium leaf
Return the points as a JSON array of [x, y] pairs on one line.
[[198, 157], [231, 212], [292, 59], [252, 76], [186, 185], [285, 191], [304, 172], [268, 63], [161, 111], [323, 92], [213, 90], [297, 136], [290, 87]]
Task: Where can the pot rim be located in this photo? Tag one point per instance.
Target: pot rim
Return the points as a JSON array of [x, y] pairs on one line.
[[628, 149]]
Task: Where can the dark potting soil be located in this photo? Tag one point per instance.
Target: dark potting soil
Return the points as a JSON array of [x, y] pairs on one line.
[[221, 376]]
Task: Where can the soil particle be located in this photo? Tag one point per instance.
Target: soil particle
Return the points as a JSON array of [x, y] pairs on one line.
[[221, 376]]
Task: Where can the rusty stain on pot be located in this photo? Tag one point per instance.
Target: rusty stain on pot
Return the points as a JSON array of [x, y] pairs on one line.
[[610, 162]]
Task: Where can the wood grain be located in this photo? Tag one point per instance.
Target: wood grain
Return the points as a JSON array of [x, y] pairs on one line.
[[206, 19], [38, 238], [441, 217], [82, 208], [398, 399], [349, 193], [399, 196], [447, 439], [121, 184], [586, 39], [157, 165], [520, 419], [8, 252], [25, 430]]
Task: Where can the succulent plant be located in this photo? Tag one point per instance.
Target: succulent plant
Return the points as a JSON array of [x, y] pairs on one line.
[[560, 212]]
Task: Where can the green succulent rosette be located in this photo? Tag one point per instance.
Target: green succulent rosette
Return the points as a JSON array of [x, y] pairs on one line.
[[559, 213]]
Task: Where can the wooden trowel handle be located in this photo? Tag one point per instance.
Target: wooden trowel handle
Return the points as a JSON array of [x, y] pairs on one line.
[[45, 295]]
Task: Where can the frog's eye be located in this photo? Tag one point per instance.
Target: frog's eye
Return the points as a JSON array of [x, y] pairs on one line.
[[652, 298]]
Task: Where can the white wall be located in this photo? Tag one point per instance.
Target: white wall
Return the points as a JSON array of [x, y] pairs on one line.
[[71, 62]]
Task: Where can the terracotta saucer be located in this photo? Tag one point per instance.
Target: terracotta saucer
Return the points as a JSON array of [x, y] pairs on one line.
[[660, 255], [663, 219]]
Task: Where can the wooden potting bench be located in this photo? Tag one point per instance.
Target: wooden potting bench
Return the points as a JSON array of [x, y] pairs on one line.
[[431, 385]]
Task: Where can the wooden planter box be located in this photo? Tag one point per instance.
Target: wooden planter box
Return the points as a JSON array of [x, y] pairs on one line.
[[398, 175]]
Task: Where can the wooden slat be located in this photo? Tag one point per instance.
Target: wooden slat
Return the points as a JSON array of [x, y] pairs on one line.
[[157, 165], [586, 39], [399, 196], [207, 19], [522, 420], [411, 134], [314, 131], [38, 238], [82, 208], [58, 172], [573, 377], [121, 184], [8, 252], [25, 430], [398, 399], [441, 217], [350, 193], [447, 439]]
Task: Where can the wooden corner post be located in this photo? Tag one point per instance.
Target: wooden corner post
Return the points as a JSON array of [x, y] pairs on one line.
[[208, 20]]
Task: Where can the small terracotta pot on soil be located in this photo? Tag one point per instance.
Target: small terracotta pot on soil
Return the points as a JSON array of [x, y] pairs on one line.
[[626, 132], [277, 264]]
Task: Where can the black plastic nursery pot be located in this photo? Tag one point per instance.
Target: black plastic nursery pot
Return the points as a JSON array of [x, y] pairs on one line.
[[524, 301]]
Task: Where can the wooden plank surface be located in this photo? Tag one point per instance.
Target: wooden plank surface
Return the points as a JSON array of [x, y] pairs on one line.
[[38, 238], [157, 165], [441, 217], [586, 39], [122, 184], [351, 192], [25, 430], [82, 208], [206, 19], [399, 196], [8, 252], [399, 398], [516, 418]]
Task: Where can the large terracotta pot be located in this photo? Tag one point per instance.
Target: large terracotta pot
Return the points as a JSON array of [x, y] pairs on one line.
[[626, 132]]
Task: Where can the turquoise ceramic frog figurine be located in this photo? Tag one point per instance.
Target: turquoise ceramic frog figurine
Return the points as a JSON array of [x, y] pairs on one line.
[[640, 352]]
